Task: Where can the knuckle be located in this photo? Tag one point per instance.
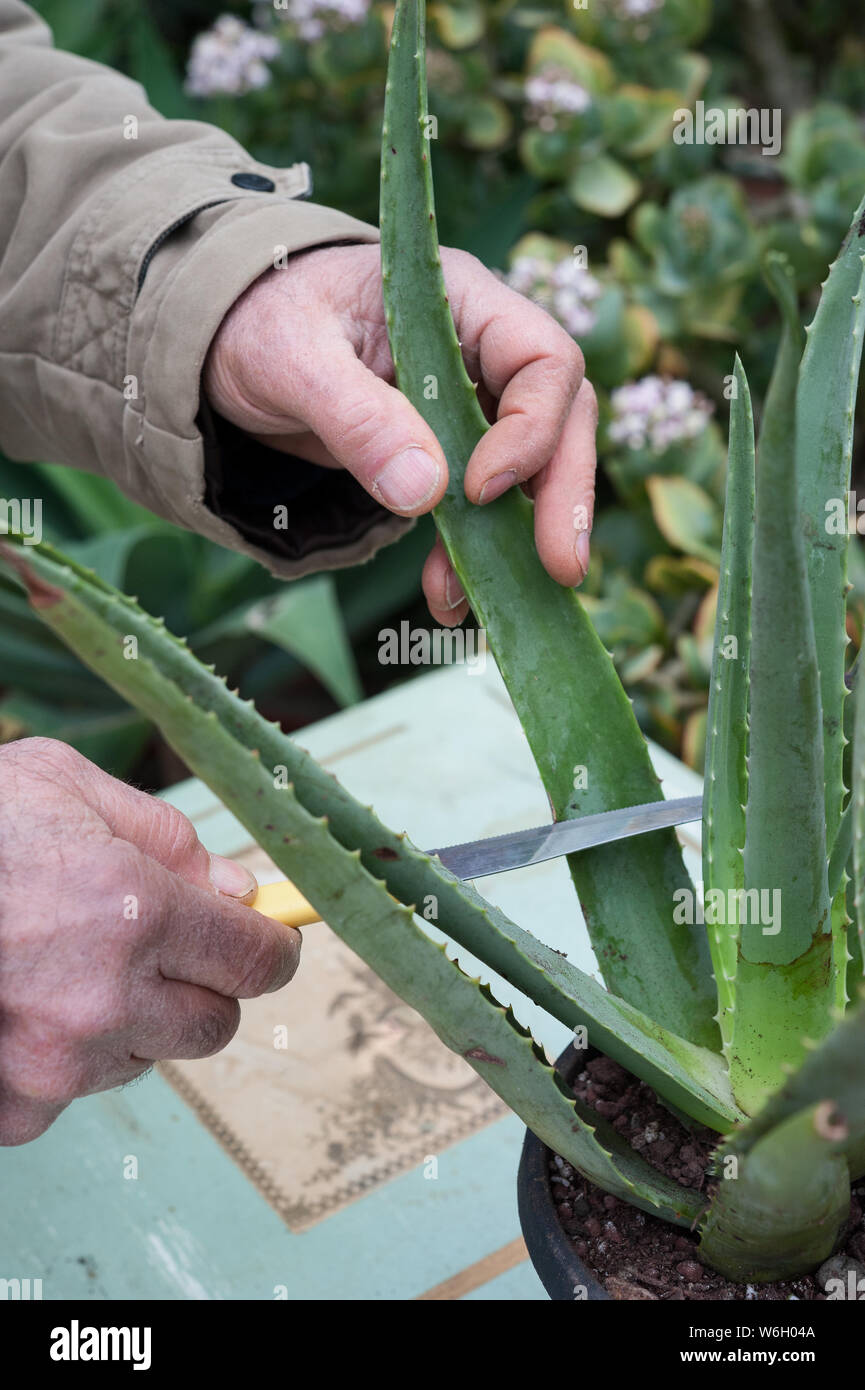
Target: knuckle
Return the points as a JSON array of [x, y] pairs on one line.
[[209, 1030], [66, 1084], [465, 260], [588, 394], [96, 1015], [360, 422], [115, 886], [574, 359], [46, 756], [177, 833], [270, 964], [55, 1078], [21, 1121]]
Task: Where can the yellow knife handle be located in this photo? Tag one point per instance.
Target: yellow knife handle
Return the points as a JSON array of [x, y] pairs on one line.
[[285, 904]]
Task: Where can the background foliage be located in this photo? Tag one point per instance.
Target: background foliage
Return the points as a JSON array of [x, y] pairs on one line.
[[554, 133]]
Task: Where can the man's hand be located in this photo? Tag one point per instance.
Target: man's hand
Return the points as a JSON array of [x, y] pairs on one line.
[[302, 363], [122, 940]]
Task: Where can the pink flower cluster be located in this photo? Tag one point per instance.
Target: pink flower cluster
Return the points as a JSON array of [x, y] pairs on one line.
[[552, 94], [564, 288], [657, 412], [313, 18], [230, 58]]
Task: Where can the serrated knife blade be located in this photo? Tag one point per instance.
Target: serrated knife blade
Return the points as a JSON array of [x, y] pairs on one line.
[[518, 848]]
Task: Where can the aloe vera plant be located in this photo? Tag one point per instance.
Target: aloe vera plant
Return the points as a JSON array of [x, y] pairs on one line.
[[754, 1024]]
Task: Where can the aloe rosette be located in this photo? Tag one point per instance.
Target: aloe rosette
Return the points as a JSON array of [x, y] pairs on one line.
[[754, 1026]]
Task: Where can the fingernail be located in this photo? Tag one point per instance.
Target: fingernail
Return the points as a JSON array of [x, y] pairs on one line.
[[408, 480], [453, 590], [494, 487], [231, 879], [583, 553]]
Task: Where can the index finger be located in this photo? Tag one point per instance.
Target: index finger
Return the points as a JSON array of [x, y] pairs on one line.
[[526, 360]]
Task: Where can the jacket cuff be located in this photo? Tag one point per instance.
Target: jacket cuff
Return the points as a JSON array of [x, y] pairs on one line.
[[301, 515], [220, 483]]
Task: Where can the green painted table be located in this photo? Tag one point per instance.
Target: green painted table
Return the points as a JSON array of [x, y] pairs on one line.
[[443, 757]]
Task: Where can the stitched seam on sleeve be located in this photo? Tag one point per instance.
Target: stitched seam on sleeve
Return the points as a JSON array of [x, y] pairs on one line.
[[77, 274]]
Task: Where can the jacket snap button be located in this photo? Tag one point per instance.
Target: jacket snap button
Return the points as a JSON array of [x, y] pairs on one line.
[[255, 181]]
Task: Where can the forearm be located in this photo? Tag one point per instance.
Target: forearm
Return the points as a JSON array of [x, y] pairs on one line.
[[124, 240]]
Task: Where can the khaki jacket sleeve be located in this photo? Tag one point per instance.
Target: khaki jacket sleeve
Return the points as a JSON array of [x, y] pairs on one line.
[[124, 239]]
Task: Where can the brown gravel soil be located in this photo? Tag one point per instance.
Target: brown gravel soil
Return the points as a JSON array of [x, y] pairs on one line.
[[637, 1256]]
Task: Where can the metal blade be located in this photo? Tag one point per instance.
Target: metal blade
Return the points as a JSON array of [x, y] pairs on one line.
[[478, 858]]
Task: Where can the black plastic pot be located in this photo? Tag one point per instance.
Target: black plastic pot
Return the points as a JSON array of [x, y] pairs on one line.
[[558, 1266]]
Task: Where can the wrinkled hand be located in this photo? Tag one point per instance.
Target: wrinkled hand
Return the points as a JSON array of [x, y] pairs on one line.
[[301, 362], [122, 940]]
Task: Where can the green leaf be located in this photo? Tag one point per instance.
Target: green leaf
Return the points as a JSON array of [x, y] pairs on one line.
[[825, 410], [96, 503], [305, 620], [604, 186], [781, 1214], [690, 71], [832, 1070], [152, 64], [857, 807], [114, 739], [546, 153], [486, 123], [74, 27], [556, 48], [556, 671], [726, 781], [785, 986], [686, 515], [842, 849], [677, 575], [625, 615], [459, 24], [823, 421], [643, 118]]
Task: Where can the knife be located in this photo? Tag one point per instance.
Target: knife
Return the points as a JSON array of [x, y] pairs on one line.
[[514, 850]]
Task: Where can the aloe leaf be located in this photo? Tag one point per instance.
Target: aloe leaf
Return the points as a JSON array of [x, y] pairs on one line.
[[303, 618], [164, 679], [725, 788], [842, 861], [857, 807], [824, 443], [779, 1212], [785, 985], [576, 716], [96, 504], [841, 852], [93, 619], [832, 1070]]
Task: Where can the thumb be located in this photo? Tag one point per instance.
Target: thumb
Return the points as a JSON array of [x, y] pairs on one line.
[[375, 433]]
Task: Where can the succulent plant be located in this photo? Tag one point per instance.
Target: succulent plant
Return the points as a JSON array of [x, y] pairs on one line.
[[754, 1027]]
